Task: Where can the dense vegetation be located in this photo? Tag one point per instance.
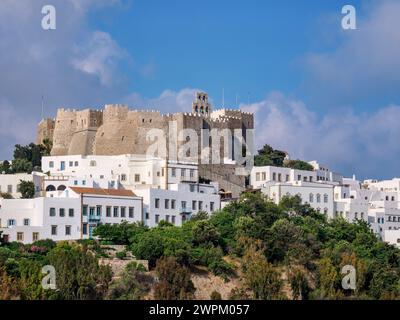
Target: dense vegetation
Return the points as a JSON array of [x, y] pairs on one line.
[[27, 158], [268, 156], [285, 251]]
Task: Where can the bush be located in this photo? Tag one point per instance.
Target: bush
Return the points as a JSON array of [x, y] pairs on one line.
[[121, 255], [215, 295], [174, 281]]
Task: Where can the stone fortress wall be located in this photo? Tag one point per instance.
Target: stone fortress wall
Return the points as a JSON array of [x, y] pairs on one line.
[[118, 130]]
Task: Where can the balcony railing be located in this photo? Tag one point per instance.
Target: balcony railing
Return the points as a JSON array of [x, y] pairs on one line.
[[93, 218]]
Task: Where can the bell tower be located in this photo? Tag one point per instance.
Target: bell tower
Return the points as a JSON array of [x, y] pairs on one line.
[[201, 105]]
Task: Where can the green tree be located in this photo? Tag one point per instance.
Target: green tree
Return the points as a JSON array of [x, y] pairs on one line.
[[267, 156], [27, 189], [79, 275], [205, 233], [22, 166], [299, 165], [260, 275], [5, 167], [133, 284], [174, 281]]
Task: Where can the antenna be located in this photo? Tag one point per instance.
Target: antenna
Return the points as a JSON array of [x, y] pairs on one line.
[[42, 107]]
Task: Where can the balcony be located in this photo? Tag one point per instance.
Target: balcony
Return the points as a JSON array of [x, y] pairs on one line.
[[93, 218], [186, 211]]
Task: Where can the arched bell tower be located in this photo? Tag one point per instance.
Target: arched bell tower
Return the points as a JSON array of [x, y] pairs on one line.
[[201, 105]]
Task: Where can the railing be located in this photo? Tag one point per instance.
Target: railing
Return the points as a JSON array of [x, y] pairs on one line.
[[93, 218]]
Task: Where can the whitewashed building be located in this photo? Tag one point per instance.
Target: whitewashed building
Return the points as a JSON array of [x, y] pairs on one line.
[[9, 183], [70, 215]]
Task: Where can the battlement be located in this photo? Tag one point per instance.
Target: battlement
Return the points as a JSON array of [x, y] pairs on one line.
[[117, 129]]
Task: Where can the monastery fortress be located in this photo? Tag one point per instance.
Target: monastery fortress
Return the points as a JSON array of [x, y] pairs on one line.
[[118, 130]]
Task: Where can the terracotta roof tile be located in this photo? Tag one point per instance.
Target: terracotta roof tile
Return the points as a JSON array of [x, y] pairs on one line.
[[104, 192]]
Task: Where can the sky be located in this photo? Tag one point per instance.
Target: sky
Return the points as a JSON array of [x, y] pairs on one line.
[[318, 91]]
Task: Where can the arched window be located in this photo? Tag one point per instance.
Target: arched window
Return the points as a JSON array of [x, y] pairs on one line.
[[318, 198], [61, 188], [311, 198], [325, 198], [50, 188]]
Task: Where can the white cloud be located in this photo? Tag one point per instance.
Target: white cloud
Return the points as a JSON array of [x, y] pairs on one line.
[[366, 62], [35, 62], [169, 101], [365, 144], [99, 57]]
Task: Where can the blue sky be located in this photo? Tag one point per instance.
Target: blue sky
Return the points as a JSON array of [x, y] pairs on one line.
[[318, 91]]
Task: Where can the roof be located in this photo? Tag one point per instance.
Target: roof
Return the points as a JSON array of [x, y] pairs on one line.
[[104, 192]]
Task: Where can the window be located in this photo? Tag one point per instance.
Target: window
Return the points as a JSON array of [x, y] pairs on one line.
[[62, 166], [98, 211], [35, 236], [200, 205], [311, 199], [264, 176], [192, 188], [162, 172], [108, 212], [287, 177], [183, 173], [76, 163], [9, 188], [191, 173], [52, 212], [326, 198], [91, 211], [11, 222], [123, 212], [62, 212], [183, 204], [115, 212], [157, 218], [71, 212], [93, 163], [173, 172], [131, 212], [194, 205], [299, 177], [20, 236], [84, 210], [147, 216], [173, 204], [356, 215], [157, 203], [167, 218], [258, 178], [67, 230], [71, 163], [279, 177], [274, 176], [166, 203], [137, 177], [84, 228], [123, 177], [318, 198], [211, 206], [173, 219], [53, 230], [26, 222], [51, 164]]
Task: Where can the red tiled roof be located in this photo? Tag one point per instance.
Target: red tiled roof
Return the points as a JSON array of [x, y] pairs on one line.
[[103, 192]]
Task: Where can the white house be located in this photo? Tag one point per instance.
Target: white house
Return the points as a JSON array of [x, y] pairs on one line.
[[179, 203], [71, 215], [9, 183]]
